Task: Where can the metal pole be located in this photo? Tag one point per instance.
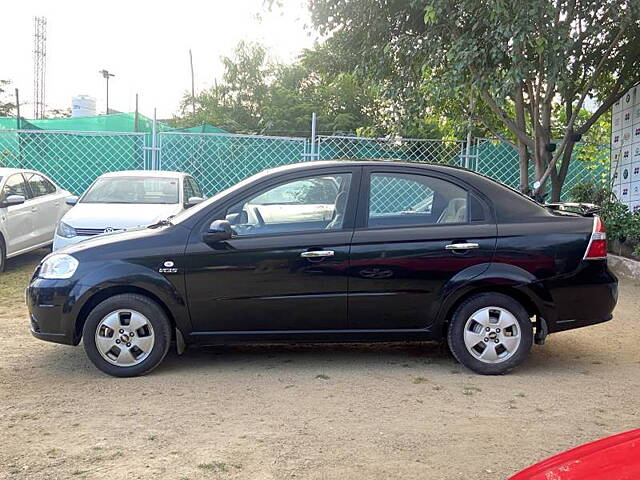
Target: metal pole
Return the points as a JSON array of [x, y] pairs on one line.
[[314, 156], [17, 109], [193, 87], [154, 157], [135, 120], [107, 95]]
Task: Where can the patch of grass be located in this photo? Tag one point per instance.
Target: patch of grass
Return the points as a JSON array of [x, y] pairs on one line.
[[419, 380], [322, 376], [75, 424], [521, 395], [151, 438], [214, 467], [470, 390], [436, 387], [78, 472]]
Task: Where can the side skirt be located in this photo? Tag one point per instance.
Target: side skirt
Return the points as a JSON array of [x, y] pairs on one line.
[[312, 336]]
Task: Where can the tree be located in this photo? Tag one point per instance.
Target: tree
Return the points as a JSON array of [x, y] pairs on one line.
[[518, 63], [7, 106], [256, 95]]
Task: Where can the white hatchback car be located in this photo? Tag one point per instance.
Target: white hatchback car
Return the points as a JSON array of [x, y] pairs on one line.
[[30, 207], [124, 200]]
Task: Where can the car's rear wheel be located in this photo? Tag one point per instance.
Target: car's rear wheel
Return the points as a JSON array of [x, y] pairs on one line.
[[490, 333], [127, 335]]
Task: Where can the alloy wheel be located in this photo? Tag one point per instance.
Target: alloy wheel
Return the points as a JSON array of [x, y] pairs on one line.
[[492, 334], [124, 337]]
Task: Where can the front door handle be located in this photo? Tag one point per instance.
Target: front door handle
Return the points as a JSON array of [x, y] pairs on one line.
[[317, 254], [461, 246]]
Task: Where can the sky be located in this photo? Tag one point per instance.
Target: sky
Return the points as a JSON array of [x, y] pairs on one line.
[[144, 43]]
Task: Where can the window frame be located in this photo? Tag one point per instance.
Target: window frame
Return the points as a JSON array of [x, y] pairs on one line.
[[245, 199], [362, 218], [217, 211]]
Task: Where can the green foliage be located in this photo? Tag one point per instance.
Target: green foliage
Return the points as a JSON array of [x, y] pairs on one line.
[[622, 225], [440, 56], [259, 96], [590, 192], [7, 106]]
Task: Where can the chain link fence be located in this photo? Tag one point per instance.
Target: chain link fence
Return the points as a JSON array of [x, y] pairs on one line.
[[72, 159], [447, 152], [217, 160], [498, 160]]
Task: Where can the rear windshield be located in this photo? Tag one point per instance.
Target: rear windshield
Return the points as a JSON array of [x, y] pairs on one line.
[[146, 190]]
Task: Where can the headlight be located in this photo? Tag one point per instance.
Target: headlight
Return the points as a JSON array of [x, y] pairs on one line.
[[58, 265], [65, 230]]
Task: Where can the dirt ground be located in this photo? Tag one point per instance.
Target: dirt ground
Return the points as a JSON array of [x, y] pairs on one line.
[[318, 412]]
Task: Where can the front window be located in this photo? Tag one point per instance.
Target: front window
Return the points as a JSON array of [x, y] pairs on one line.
[[313, 203], [15, 186], [147, 190]]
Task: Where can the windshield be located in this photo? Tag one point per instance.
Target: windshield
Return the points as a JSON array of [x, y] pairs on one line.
[[146, 190]]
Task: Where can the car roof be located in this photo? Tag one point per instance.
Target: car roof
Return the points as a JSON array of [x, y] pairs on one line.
[[145, 173]]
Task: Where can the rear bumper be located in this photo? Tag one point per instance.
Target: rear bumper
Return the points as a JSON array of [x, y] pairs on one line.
[[586, 298]]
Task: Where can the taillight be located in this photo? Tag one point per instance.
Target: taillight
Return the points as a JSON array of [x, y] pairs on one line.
[[597, 248]]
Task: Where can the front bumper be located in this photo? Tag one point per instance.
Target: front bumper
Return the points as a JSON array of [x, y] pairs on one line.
[[52, 310]]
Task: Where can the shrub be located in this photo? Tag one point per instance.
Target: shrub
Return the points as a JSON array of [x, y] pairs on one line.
[[622, 225]]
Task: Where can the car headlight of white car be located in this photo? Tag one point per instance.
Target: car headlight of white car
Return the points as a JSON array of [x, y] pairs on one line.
[[58, 265], [65, 230]]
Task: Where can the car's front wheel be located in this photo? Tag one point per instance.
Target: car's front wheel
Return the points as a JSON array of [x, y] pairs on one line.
[[127, 335], [490, 333]]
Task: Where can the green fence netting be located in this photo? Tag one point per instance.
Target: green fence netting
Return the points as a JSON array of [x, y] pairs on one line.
[[219, 160]]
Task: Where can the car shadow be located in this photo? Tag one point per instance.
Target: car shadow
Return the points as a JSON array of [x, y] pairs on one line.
[[566, 357], [26, 260]]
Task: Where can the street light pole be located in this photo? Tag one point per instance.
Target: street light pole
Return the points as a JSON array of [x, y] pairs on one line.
[[106, 75]]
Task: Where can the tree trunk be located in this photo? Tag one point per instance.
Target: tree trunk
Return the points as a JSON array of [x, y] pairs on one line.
[[523, 151], [523, 161]]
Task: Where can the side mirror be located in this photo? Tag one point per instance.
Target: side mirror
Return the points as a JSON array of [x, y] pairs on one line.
[[72, 200], [219, 230], [11, 200], [193, 201]]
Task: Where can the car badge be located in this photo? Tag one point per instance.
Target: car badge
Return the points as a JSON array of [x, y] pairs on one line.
[[168, 267], [108, 230]]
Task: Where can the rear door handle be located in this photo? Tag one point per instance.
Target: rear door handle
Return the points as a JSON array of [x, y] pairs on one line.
[[317, 254], [461, 246], [34, 209]]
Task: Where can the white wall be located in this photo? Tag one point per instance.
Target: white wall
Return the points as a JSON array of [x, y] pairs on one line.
[[625, 148]]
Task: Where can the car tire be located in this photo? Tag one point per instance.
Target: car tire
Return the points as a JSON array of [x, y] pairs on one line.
[[3, 255], [490, 333], [127, 335]]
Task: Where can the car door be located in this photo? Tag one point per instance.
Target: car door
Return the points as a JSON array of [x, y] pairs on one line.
[[285, 267], [415, 232], [46, 206], [19, 219]]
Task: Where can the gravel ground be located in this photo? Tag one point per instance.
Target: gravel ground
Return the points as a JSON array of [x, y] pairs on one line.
[[311, 411]]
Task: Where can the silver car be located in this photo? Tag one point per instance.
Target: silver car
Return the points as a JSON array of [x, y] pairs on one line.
[[30, 207]]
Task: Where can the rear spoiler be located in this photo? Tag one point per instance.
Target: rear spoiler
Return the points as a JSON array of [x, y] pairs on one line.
[[584, 209]]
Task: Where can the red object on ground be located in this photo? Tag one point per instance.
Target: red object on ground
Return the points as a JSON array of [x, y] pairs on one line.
[[611, 458]]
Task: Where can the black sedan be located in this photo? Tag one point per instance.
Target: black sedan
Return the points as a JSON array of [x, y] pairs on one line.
[[352, 251]]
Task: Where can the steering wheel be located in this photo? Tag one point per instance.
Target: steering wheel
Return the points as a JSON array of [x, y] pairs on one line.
[[258, 216]]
